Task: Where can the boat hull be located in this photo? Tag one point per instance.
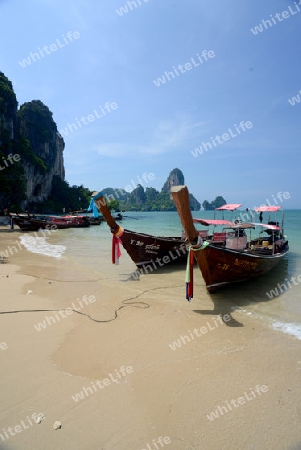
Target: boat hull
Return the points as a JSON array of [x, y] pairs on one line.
[[76, 221], [222, 266], [30, 224], [144, 249], [147, 249], [95, 221]]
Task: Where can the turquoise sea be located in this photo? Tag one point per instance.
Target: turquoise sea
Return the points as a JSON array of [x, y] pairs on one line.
[[90, 247]]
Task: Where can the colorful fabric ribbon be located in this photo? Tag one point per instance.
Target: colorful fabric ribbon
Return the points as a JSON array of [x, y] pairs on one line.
[[93, 207], [116, 241], [189, 268]]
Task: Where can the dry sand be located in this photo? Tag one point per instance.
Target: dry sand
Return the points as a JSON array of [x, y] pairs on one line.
[[167, 393]]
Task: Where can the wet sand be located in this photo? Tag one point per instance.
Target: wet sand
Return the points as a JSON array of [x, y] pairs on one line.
[[158, 370]]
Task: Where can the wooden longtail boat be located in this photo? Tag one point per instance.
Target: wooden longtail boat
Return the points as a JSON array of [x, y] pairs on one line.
[[229, 257], [30, 222], [76, 221], [95, 220], [144, 249]]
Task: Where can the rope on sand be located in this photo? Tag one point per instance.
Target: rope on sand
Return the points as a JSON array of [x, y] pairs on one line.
[[132, 304]]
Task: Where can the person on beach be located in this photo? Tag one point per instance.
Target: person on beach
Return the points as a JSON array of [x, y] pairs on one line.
[[260, 217]]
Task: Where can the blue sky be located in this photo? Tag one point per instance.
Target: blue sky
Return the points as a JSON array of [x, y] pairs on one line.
[[116, 58]]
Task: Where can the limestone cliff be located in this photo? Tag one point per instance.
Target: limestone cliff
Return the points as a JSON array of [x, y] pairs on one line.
[[175, 178], [137, 197], [37, 126], [31, 133], [151, 199]]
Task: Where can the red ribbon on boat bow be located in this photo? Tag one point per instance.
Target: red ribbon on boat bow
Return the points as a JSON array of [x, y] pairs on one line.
[[189, 275], [189, 268], [116, 241]]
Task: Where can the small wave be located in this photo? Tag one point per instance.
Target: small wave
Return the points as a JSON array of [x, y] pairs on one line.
[[293, 329], [39, 245]]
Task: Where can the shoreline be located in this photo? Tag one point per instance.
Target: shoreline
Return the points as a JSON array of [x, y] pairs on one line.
[[168, 393]]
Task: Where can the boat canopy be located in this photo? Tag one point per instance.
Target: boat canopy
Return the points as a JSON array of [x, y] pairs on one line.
[[226, 223], [229, 207], [267, 208], [208, 222], [267, 226]]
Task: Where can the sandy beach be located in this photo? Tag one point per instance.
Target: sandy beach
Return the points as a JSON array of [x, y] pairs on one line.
[[164, 374]]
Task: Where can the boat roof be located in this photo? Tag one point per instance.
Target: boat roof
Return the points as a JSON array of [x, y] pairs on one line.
[[226, 223], [229, 207], [267, 208], [208, 222], [266, 225], [234, 225]]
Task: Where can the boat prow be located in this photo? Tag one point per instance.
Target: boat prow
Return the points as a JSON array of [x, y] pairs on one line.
[[147, 251]]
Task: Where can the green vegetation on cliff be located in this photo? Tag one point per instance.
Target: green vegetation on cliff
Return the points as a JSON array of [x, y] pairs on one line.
[[29, 133], [12, 183], [8, 100], [64, 197], [217, 203]]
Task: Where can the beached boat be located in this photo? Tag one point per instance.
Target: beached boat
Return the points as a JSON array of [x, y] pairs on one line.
[[144, 249], [95, 220], [58, 222], [76, 221], [29, 222], [230, 257]]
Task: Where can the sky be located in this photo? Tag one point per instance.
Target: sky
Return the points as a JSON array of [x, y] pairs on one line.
[[137, 90]]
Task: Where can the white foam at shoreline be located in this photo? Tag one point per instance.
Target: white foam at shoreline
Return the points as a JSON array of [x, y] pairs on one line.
[[293, 329], [39, 245]]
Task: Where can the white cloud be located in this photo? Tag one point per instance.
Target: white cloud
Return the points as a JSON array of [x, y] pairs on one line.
[[166, 137]]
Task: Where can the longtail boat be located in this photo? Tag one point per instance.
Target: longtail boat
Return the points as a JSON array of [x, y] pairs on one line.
[[230, 257], [75, 221], [30, 222], [144, 249]]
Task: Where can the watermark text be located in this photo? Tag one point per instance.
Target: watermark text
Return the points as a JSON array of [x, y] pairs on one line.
[[205, 146], [3, 345], [63, 313], [183, 68], [116, 377], [221, 410], [155, 442], [281, 288], [9, 160], [269, 23], [85, 120], [129, 6], [48, 49], [198, 332]]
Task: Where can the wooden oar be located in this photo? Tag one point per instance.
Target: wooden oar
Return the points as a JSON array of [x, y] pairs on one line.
[[180, 196], [102, 206]]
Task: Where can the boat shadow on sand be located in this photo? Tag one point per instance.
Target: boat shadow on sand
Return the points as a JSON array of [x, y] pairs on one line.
[[235, 296], [139, 273], [247, 293]]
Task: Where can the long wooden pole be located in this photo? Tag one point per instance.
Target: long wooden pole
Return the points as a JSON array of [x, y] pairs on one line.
[[180, 196], [102, 206]]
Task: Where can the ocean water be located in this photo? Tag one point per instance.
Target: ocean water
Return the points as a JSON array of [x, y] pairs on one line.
[[90, 247]]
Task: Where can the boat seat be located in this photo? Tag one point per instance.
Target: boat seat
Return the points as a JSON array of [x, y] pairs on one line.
[[219, 237]]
